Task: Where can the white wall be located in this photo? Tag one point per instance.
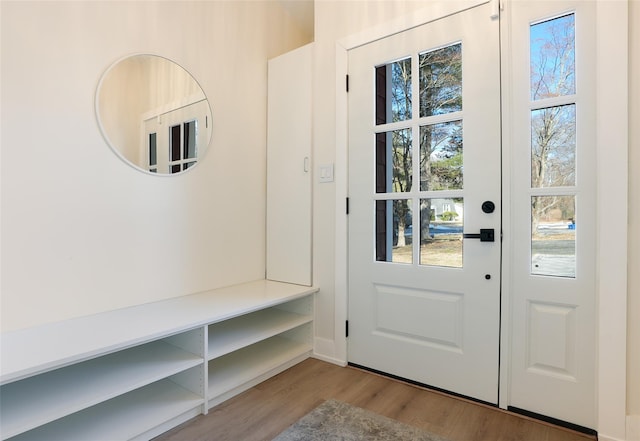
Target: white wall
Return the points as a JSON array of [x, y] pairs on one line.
[[81, 231]]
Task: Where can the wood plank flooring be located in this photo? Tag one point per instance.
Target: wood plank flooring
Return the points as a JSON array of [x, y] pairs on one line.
[[262, 412]]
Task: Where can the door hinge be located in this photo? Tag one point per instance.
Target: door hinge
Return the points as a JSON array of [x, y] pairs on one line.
[[346, 328], [347, 206], [347, 82]]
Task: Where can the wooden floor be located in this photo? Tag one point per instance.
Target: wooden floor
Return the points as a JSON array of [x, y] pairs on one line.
[[267, 409]]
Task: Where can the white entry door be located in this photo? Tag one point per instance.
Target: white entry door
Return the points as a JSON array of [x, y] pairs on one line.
[[424, 171]]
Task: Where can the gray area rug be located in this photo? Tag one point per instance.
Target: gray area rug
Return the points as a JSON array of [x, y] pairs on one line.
[[335, 420]]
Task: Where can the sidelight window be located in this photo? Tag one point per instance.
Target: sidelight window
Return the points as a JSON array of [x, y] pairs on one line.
[[553, 147]]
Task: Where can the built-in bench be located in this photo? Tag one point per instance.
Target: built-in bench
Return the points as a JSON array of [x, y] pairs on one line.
[[133, 373]]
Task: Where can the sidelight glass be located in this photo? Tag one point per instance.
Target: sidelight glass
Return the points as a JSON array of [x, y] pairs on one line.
[[553, 57], [394, 170], [393, 92], [394, 231], [441, 80], [553, 236], [441, 227], [553, 146], [441, 165]]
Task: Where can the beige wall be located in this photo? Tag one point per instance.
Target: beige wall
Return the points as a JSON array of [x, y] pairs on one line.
[[633, 343], [81, 231]]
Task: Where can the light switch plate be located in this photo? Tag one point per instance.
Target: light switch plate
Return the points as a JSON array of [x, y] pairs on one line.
[[326, 173]]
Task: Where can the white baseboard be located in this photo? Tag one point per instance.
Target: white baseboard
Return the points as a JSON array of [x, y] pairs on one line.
[[324, 349], [602, 437], [632, 430], [633, 427]]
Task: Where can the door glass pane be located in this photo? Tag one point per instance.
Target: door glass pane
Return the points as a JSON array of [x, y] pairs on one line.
[[441, 156], [553, 53], [553, 146], [553, 236], [393, 161], [441, 80], [393, 92], [441, 226], [394, 231]]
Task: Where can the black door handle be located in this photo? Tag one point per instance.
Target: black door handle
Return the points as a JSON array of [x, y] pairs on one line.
[[486, 235]]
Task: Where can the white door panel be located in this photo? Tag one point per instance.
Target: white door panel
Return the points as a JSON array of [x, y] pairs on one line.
[[289, 167], [552, 280], [439, 325], [412, 313]]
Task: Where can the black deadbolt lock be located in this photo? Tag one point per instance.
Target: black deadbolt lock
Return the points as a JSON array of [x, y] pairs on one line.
[[488, 206]]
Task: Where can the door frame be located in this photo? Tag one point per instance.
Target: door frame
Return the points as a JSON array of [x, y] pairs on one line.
[[612, 195]]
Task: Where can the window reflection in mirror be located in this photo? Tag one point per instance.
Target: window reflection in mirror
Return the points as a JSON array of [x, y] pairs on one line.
[[153, 153], [153, 114]]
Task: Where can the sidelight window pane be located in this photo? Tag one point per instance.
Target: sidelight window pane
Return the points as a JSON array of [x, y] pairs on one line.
[[394, 233], [393, 92], [553, 53], [441, 226], [441, 165], [441, 81], [553, 236], [553, 146], [394, 161]]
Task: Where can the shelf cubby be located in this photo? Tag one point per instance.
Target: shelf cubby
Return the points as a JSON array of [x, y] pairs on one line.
[[235, 372], [125, 417], [233, 334], [43, 398]]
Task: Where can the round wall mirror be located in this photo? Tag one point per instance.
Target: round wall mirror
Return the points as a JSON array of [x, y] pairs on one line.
[[153, 114]]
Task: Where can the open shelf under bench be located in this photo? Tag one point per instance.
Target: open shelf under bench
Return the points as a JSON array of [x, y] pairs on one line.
[[136, 372]]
